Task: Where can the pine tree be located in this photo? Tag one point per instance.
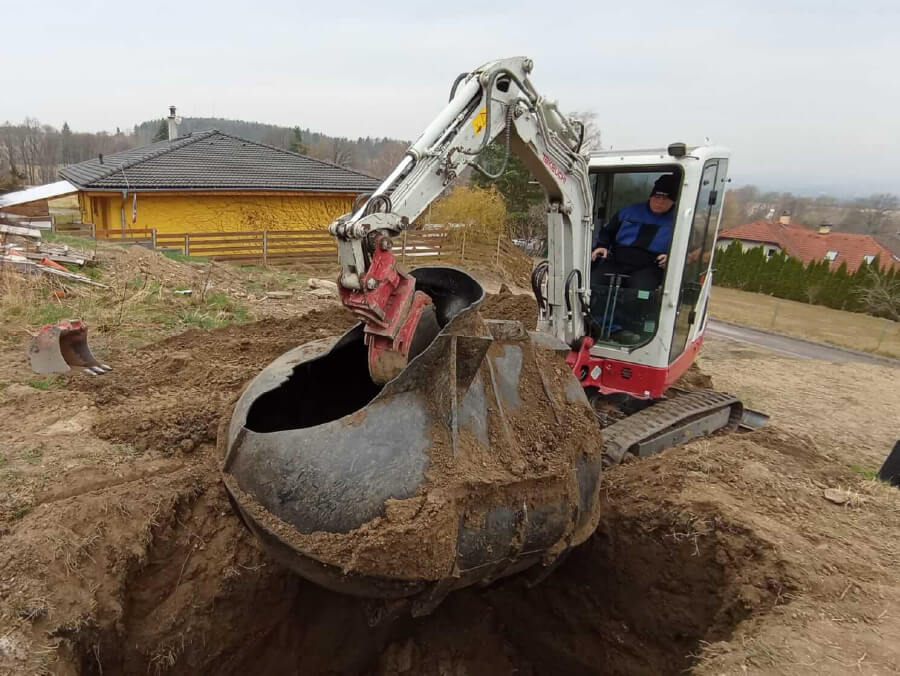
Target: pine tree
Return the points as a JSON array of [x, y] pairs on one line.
[[162, 132]]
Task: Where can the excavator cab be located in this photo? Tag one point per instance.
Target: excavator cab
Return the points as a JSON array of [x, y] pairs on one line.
[[625, 304], [643, 337]]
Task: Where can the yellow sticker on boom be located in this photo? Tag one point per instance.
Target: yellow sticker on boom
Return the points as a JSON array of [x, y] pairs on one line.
[[480, 120]]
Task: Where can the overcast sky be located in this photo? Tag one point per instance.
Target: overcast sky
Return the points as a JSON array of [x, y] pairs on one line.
[[806, 93]]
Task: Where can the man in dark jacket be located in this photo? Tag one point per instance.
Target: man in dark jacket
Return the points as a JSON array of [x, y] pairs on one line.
[[635, 242]]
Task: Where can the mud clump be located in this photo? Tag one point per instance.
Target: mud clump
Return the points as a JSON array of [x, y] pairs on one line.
[[506, 305]]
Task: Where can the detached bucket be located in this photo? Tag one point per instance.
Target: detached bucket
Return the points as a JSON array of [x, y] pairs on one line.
[[57, 348], [481, 459]]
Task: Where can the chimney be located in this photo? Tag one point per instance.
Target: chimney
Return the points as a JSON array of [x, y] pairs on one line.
[[173, 128], [785, 218], [825, 228], [100, 157]]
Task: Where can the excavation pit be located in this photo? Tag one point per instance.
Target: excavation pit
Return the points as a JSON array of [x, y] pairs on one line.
[[643, 595]]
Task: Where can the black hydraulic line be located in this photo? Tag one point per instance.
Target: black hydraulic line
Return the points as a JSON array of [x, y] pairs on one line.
[[537, 279], [459, 78], [359, 199], [487, 97], [509, 115], [580, 135], [574, 272], [376, 203]]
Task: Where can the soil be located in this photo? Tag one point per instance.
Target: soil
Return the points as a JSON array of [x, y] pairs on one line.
[[119, 552]]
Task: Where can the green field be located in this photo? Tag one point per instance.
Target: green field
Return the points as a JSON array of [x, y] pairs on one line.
[[814, 322]]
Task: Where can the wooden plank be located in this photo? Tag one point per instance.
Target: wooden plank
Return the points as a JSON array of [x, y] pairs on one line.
[[33, 233]]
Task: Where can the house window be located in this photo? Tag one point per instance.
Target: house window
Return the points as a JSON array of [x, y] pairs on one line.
[[831, 255], [868, 258], [770, 253]]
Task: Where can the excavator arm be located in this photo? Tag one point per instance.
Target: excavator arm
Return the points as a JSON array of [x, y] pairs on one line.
[[496, 99]]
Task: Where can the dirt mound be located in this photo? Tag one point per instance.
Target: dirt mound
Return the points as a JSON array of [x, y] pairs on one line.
[[722, 556], [505, 305], [126, 263], [186, 381]]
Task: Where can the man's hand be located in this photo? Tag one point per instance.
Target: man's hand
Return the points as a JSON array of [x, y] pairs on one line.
[[661, 260], [599, 251]]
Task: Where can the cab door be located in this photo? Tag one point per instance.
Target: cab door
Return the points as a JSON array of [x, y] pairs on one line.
[[700, 249]]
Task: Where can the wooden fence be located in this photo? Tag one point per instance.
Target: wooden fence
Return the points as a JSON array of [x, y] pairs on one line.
[[413, 248]]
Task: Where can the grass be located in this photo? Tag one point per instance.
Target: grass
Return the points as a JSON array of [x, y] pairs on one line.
[[135, 310], [33, 456], [81, 243], [260, 279], [51, 383], [865, 472], [813, 322], [176, 255]]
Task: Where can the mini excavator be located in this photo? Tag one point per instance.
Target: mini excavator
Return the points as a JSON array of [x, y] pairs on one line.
[[429, 448]]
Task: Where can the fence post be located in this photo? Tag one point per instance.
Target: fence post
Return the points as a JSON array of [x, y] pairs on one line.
[[774, 314], [499, 235], [153, 237], [884, 328], [93, 231], [462, 256], [403, 247], [265, 248], [187, 244]]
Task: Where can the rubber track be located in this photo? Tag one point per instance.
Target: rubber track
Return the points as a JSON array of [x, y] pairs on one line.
[[665, 415]]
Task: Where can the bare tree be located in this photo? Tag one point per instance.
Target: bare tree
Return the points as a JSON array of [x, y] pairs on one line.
[[882, 296], [384, 163], [592, 135], [876, 210]]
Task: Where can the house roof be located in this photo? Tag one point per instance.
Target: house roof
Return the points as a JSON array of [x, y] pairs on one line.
[[212, 160], [36, 193], [809, 245]]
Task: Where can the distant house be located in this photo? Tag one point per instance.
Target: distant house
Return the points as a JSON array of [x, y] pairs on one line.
[[808, 244], [211, 181]]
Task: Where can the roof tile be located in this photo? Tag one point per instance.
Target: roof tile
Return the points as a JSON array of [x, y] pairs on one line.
[[809, 245], [212, 160]]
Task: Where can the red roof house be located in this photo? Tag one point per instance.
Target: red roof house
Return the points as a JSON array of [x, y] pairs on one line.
[[809, 244]]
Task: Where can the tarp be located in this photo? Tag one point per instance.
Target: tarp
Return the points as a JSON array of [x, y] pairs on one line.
[[38, 192]]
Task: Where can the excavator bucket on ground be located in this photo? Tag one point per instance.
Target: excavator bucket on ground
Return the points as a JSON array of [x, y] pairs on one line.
[[59, 347], [479, 460]]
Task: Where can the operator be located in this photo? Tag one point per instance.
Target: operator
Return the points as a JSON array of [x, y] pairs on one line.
[[635, 242]]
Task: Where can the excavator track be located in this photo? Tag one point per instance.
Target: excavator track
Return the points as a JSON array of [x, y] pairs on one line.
[[669, 423]]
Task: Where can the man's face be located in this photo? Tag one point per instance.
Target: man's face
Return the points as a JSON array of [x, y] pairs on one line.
[[660, 204]]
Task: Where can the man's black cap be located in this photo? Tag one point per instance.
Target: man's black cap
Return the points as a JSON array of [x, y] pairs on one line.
[[666, 185]]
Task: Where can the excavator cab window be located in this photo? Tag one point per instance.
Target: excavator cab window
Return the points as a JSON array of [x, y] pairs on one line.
[[625, 300]]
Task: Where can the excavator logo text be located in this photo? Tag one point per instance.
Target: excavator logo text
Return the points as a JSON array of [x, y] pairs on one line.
[[556, 171]]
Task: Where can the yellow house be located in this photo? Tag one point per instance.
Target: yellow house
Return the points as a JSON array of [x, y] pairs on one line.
[[213, 182]]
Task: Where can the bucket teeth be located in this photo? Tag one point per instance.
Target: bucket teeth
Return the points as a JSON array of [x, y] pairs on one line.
[[58, 347]]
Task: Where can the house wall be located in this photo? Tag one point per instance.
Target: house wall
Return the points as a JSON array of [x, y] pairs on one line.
[[206, 212], [723, 243]]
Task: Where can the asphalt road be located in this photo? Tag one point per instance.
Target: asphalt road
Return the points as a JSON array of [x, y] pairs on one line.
[[795, 347]]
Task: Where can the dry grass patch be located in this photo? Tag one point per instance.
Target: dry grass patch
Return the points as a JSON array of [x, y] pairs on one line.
[[813, 322]]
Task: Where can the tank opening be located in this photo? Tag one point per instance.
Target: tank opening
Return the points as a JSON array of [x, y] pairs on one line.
[[337, 383], [319, 390]]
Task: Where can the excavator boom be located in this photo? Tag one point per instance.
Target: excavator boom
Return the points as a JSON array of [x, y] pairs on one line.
[[493, 100]]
